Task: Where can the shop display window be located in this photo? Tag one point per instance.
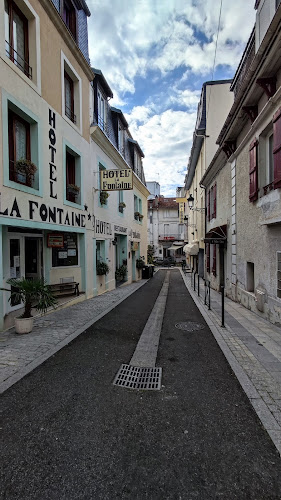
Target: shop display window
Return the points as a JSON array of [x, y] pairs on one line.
[[68, 254]]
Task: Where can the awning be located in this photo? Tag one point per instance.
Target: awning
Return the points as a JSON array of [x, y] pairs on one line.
[[191, 248], [175, 247], [217, 236]]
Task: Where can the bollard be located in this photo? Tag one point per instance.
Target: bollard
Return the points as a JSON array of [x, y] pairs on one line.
[[205, 293], [194, 287], [222, 306], [198, 285], [209, 287]]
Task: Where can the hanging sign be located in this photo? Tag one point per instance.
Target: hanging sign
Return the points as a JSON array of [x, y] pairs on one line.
[[181, 212], [116, 180]]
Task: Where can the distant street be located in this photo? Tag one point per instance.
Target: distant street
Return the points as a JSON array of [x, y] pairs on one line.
[[69, 433]]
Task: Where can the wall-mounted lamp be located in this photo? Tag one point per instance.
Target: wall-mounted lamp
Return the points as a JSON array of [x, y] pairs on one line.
[[190, 201]]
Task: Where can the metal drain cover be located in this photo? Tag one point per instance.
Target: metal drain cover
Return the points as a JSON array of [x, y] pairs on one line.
[[135, 377], [189, 326]]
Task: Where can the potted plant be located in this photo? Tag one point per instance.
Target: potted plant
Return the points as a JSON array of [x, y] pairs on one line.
[[102, 268], [140, 263], [35, 294], [103, 197], [25, 170], [122, 205], [120, 273], [73, 189], [137, 214]]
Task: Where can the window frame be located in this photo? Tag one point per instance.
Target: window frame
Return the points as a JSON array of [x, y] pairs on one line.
[[70, 150], [70, 115], [10, 53], [72, 24]]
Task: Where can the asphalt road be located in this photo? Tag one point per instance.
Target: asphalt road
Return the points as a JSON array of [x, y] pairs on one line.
[[68, 433]]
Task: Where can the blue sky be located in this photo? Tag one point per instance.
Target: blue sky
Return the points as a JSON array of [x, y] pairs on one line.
[[155, 55]]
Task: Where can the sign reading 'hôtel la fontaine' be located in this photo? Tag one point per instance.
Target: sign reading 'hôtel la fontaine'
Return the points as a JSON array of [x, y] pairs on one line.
[[116, 180]]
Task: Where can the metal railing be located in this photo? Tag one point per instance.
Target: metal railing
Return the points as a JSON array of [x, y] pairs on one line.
[[69, 113], [195, 285], [18, 60]]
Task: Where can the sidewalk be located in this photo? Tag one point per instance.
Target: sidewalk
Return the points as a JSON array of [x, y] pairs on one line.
[[20, 354], [252, 346]]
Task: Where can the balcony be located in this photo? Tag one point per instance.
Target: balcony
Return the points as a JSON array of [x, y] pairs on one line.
[[170, 237]]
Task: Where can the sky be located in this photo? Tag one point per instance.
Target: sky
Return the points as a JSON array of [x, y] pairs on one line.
[[155, 56]]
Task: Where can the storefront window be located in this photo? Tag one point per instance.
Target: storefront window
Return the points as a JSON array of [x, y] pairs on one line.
[[68, 254]]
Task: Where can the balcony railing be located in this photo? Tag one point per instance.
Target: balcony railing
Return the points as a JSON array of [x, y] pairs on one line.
[[170, 237], [69, 113], [18, 60]]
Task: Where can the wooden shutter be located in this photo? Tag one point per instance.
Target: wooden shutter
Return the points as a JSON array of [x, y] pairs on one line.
[[277, 149], [209, 205], [253, 191], [215, 200], [208, 257], [214, 268]]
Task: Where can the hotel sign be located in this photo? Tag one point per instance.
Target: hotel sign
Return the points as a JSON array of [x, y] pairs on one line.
[[181, 212], [116, 180]]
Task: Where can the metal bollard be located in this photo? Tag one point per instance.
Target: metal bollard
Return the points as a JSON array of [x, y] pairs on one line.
[[209, 287], [222, 306], [198, 285], [194, 287]]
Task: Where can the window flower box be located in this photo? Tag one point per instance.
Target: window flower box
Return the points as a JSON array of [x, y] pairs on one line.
[[103, 197], [25, 171]]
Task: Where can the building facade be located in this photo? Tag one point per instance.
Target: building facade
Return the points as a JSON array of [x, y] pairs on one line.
[[247, 171], [50, 156], [213, 107]]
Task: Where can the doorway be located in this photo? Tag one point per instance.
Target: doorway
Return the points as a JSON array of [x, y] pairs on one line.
[[33, 258]]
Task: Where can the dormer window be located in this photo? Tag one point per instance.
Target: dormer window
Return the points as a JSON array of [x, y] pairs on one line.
[[16, 37], [69, 16], [102, 111], [120, 138]]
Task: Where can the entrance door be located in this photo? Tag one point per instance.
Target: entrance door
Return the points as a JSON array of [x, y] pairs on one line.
[[33, 257]]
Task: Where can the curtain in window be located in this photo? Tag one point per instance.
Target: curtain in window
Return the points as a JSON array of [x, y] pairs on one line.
[[18, 40], [68, 97], [20, 139]]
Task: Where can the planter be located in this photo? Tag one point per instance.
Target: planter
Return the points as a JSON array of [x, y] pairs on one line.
[[23, 325]]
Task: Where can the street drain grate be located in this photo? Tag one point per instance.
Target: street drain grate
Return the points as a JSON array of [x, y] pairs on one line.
[[135, 377], [189, 326]]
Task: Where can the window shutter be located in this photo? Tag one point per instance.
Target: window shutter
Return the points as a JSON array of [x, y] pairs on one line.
[[214, 268], [215, 200], [208, 257], [253, 192], [277, 149], [209, 205]]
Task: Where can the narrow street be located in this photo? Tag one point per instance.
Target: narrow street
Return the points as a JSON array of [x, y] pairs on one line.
[[69, 433]]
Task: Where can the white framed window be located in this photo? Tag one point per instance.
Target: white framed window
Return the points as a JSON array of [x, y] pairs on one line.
[[22, 40], [102, 111], [71, 94], [120, 138], [266, 160]]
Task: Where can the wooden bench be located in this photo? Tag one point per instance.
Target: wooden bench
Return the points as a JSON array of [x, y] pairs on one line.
[[65, 288]]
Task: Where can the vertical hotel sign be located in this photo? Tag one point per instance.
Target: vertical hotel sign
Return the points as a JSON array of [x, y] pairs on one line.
[[181, 202]]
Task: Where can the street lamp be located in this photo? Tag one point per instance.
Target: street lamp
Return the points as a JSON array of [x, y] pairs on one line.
[[190, 202]]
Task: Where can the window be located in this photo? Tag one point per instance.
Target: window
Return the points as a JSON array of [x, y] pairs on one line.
[[69, 97], [214, 266], [212, 202], [208, 257], [68, 254], [72, 175], [71, 94], [69, 16], [137, 163], [121, 139], [250, 277], [16, 37], [102, 111], [279, 275], [253, 172], [21, 169], [121, 202], [277, 149]]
